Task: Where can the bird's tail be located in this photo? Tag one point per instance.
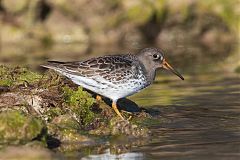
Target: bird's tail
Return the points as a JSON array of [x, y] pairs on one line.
[[55, 65], [52, 64]]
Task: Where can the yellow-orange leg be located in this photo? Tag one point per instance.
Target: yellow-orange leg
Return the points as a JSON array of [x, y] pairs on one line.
[[98, 98], [114, 106]]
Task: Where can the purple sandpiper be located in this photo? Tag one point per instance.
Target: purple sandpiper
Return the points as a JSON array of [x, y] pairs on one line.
[[115, 76]]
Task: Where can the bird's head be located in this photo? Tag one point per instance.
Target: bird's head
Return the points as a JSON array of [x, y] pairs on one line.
[[154, 58]]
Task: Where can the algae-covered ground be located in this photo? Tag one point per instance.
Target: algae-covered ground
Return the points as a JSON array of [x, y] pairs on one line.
[[50, 112]]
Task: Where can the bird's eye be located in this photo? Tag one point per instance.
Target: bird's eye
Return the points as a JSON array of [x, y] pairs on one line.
[[156, 56]]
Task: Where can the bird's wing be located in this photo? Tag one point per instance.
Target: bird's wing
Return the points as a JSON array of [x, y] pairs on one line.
[[109, 68]]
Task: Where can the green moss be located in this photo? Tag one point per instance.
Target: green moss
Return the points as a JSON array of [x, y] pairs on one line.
[[134, 13], [28, 76], [17, 75], [18, 128], [80, 103], [237, 70], [5, 77], [53, 112]]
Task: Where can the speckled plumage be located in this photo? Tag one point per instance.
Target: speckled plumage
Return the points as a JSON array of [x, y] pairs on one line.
[[114, 76]]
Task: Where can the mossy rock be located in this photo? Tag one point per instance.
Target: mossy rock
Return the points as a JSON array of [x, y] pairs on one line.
[[66, 129], [72, 136], [80, 103], [17, 75], [69, 113], [63, 122], [18, 128]]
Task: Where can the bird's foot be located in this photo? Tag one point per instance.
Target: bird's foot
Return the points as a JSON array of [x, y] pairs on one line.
[[114, 106], [129, 118], [128, 113]]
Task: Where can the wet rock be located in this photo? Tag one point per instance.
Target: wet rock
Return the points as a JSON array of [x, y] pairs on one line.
[[72, 136], [122, 144], [18, 128], [27, 153], [62, 122], [124, 127], [62, 113], [36, 144], [67, 130], [101, 131]]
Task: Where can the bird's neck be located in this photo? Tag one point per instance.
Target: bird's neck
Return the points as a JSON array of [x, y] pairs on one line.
[[148, 72], [151, 75]]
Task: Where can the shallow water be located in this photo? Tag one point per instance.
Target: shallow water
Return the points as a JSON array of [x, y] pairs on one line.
[[194, 119]]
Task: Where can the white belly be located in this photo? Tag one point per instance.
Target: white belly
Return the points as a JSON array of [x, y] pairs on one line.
[[106, 88]]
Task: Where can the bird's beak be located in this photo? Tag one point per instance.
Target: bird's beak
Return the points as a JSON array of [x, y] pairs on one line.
[[167, 66]]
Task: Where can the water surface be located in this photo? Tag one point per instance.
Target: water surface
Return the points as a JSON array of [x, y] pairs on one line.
[[194, 119]]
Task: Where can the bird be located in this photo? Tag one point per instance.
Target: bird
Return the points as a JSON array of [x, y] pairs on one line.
[[115, 76]]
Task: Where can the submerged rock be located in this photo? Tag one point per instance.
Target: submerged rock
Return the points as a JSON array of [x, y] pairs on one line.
[[119, 127]]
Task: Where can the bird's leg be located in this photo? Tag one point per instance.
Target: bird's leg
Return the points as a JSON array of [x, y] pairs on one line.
[[114, 106], [98, 98]]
